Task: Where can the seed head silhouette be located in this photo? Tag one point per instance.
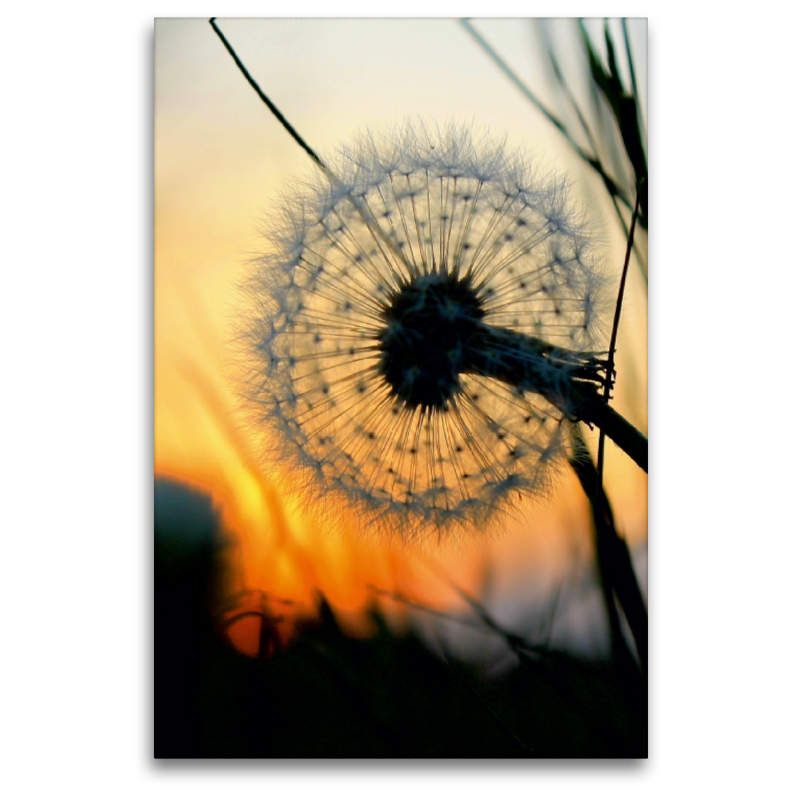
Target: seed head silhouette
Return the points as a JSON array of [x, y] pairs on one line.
[[421, 332]]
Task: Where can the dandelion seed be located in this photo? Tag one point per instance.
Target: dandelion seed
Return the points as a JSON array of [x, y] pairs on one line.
[[419, 325]]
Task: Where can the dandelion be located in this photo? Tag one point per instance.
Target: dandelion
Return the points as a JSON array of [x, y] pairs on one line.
[[423, 331]]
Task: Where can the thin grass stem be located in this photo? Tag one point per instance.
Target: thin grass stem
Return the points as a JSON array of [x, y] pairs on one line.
[[613, 343], [270, 105], [611, 185]]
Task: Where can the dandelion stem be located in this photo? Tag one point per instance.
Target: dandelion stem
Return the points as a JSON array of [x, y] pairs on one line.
[[596, 411], [570, 380]]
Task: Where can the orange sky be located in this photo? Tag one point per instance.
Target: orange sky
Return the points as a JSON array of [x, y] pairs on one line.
[[221, 160]]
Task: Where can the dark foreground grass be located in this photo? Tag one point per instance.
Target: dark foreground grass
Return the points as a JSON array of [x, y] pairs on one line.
[[331, 696]]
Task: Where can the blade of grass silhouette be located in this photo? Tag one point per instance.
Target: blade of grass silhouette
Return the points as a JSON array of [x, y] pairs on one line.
[[235, 609], [559, 76], [338, 658], [399, 597], [611, 185], [622, 105], [528, 653], [270, 105], [565, 88], [613, 342], [634, 87], [613, 557], [296, 136], [579, 462], [514, 641], [524, 749], [452, 666], [530, 657], [626, 109], [593, 158]]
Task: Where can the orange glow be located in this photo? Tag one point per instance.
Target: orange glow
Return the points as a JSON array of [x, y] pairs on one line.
[[220, 162], [277, 548], [290, 553]]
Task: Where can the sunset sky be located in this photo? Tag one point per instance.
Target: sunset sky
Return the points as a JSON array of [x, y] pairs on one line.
[[221, 162]]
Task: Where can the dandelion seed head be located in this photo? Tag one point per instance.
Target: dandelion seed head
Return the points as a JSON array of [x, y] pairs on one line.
[[367, 312]]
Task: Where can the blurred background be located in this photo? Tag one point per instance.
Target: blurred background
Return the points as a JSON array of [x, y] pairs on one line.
[[272, 596]]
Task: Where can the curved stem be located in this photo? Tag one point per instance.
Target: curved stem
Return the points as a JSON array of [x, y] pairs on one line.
[[569, 379], [270, 105], [597, 412]]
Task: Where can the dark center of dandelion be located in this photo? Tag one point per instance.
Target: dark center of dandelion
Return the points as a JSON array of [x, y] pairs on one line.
[[429, 325]]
